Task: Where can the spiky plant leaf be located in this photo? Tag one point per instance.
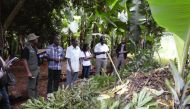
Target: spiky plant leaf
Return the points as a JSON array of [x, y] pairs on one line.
[[179, 82], [185, 91], [146, 100], [129, 106], [135, 98], [174, 93], [186, 101], [142, 95], [114, 105]]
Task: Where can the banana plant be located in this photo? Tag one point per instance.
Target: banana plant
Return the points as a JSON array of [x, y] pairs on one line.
[[175, 17], [109, 104], [179, 90], [141, 100]]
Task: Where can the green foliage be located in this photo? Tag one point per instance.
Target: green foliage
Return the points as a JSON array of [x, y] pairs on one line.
[[109, 104], [124, 72], [82, 96], [46, 18], [142, 100], [142, 60], [168, 14], [103, 81]]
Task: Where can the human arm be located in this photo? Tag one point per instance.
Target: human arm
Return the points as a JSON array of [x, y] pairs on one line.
[[25, 57], [57, 57], [29, 74], [68, 57], [70, 66]]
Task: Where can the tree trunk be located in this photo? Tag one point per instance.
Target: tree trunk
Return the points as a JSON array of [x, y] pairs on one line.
[[8, 21], [12, 15]]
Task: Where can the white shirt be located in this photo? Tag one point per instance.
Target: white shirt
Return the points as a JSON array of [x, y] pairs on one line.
[[73, 54], [101, 48], [86, 54]]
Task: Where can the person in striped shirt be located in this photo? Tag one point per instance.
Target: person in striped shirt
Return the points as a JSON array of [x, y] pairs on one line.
[[55, 56]]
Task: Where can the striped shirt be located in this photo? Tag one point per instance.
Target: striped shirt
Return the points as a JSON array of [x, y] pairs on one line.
[[54, 51]]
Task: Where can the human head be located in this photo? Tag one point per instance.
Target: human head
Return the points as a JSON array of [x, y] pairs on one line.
[[102, 40], [56, 40], [85, 47], [123, 41], [32, 38], [74, 42]]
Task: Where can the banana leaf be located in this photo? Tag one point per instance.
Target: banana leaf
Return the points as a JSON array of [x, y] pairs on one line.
[[111, 3], [174, 15]]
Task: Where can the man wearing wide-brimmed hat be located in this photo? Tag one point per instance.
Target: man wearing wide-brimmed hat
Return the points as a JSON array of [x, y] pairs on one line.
[[30, 59]]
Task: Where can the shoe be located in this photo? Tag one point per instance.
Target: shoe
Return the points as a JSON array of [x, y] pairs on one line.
[[85, 79], [49, 95]]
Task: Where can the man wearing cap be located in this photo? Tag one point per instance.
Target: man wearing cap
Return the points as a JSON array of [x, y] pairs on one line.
[[100, 51], [30, 59]]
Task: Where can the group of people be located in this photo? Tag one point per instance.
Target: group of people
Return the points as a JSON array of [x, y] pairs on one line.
[[55, 56]]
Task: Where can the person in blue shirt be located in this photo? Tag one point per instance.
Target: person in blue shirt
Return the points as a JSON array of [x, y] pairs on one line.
[[55, 56]]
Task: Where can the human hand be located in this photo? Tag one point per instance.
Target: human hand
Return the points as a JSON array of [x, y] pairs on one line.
[[103, 52], [57, 59], [30, 75], [72, 71], [86, 59], [6, 67]]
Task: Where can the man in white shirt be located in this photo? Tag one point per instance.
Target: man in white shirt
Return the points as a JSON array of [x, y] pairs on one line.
[[73, 61], [100, 51]]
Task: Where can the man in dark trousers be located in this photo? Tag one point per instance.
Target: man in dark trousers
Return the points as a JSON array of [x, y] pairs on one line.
[[30, 59], [121, 54], [55, 56]]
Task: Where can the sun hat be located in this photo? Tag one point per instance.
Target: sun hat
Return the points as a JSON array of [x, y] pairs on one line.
[[32, 36]]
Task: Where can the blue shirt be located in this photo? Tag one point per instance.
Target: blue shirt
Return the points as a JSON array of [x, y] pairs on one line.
[[54, 51]]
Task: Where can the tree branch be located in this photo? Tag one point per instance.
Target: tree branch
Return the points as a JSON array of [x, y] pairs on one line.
[[13, 14]]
